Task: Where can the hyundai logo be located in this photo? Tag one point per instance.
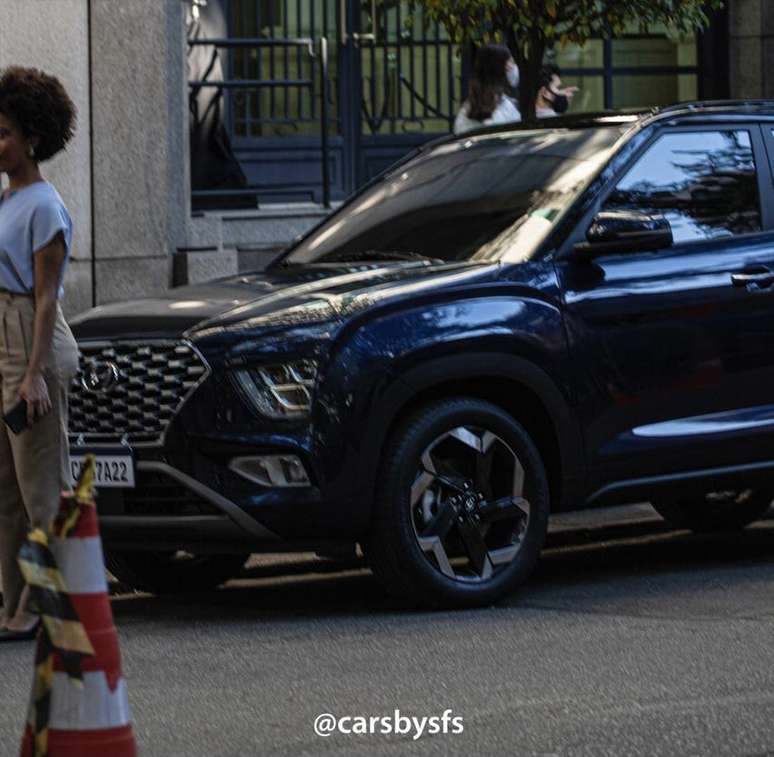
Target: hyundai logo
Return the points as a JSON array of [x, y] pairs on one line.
[[100, 377]]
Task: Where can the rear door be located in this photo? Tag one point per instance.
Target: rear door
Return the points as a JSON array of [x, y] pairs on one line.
[[674, 350]]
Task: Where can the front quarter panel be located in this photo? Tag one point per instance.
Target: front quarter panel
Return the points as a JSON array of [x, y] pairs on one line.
[[504, 329]]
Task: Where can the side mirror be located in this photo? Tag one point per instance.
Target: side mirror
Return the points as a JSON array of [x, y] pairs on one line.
[[620, 231]]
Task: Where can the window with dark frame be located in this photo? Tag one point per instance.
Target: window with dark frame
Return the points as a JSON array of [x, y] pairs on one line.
[[633, 71], [704, 183]]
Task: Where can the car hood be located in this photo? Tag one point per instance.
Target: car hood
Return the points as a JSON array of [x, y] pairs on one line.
[[279, 298]]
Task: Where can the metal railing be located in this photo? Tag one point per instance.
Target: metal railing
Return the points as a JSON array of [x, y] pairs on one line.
[[318, 52]]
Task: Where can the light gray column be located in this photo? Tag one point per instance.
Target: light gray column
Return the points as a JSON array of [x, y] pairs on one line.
[[140, 145], [52, 35], [751, 33]]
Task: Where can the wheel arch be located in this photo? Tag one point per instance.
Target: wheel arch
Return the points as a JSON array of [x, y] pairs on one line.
[[514, 384]]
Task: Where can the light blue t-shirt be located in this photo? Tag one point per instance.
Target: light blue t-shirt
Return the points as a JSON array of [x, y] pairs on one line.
[[29, 219]]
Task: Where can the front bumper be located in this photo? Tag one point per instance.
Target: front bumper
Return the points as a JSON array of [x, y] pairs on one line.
[[191, 499], [187, 512], [189, 490]]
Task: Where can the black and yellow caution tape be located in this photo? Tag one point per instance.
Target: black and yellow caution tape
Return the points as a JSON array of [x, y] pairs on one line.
[[71, 507], [62, 631]]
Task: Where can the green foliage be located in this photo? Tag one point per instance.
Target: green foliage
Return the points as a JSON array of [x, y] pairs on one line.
[[530, 27], [544, 23]]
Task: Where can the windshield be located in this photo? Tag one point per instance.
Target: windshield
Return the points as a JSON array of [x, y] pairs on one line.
[[492, 197]]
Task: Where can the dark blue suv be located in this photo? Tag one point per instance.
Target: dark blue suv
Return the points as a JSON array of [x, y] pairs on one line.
[[512, 323]]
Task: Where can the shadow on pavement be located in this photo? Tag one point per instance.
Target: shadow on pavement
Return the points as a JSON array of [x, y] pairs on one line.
[[587, 557]]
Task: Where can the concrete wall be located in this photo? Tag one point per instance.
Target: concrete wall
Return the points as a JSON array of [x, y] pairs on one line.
[[140, 146], [132, 143], [53, 35], [136, 101], [751, 48]]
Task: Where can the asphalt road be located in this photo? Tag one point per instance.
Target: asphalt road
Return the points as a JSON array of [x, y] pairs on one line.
[[629, 640]]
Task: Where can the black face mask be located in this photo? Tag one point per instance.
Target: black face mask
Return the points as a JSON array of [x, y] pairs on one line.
[[561, 102]]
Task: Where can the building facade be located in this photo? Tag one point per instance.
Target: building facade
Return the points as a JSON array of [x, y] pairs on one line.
[[206, 126]]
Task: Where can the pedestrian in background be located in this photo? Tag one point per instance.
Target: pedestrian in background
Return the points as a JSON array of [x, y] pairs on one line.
[[494, 71], [552, 98], [38, 355]]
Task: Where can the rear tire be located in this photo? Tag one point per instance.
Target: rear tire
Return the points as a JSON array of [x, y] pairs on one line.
[[172, 572], [430, 541], [716, 511]]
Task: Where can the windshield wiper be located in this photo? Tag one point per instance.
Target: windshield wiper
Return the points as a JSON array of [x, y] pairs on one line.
[[376, 255]]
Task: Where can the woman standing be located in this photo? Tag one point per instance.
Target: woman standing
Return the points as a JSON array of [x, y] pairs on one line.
[[487, 103], [38, 355]]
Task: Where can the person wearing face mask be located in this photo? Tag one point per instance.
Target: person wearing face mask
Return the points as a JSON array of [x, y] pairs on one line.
[[488, 104], [552, 98]]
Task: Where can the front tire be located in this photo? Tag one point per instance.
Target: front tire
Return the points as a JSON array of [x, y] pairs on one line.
[[462, 507], [716, 511], [172, 572]]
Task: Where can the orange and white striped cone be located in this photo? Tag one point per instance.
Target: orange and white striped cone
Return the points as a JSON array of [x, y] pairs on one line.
[[79, 705]]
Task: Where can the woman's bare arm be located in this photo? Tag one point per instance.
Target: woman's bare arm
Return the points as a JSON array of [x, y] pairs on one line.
[[48, 269]]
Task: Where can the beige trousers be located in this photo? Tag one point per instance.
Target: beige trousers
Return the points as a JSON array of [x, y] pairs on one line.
[[34, 466]]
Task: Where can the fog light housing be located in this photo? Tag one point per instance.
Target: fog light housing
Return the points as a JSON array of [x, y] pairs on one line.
[[271, 470]]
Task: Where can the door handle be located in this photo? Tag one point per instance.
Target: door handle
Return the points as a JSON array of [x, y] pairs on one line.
[[343, 36], [760, 276], [369, 36], [358, 37]]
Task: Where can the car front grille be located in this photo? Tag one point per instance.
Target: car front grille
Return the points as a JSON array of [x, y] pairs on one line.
[[130, 390]]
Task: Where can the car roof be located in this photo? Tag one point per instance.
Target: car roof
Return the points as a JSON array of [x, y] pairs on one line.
[[706, 111]]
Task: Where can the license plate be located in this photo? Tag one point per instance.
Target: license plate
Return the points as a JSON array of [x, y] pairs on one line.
[[114, 470]]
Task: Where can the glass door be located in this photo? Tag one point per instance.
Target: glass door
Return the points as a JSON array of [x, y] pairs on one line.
[[276, 126], [392, 83], [410, 80]]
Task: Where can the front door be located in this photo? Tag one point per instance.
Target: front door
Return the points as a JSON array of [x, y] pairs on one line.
[[394, 83], [675, 349]]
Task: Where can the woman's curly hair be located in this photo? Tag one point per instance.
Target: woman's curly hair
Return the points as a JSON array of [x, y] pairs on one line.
[[40, 106]]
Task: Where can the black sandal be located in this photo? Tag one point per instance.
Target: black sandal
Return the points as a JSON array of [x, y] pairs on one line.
[[7, 634]]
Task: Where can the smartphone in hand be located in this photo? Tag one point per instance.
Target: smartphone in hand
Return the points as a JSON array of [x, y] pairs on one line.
[[16, 418]]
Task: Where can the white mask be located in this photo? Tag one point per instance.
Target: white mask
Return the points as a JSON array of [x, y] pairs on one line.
[[512, 74]]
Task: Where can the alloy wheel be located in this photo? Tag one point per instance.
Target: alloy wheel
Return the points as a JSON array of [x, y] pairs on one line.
[[467, 504]]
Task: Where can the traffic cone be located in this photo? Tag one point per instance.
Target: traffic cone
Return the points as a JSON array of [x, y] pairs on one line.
[[79, 705]]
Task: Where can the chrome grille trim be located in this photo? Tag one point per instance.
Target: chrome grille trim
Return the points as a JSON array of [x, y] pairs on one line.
[[156, 379]]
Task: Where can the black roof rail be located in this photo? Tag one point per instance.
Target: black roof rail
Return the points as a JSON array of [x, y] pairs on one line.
[[594, 118], [705, 104], [590, 118]]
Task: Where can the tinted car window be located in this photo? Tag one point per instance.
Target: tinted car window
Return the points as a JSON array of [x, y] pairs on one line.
[[703, 182], [487, 197]]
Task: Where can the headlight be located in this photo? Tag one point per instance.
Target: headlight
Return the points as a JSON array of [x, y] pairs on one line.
[[279, 391]]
